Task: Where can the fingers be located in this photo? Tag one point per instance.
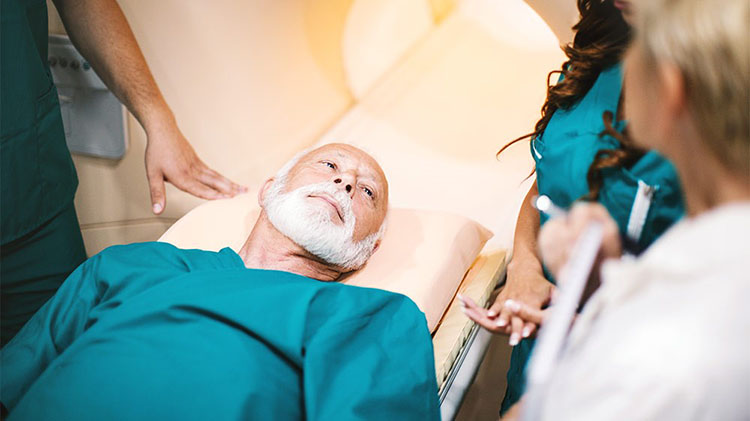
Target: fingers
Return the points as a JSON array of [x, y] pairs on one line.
[[528, 330], [515, 334], [206, 184], [583, 214], [169, 157], [198, 189], [496, 307], [565, 232], [589, 211], [527, 313], [518, 320], [467, 302], [477, 314], [156, 187], [611, 243], [503, 320], [219, 183], [480, 319]]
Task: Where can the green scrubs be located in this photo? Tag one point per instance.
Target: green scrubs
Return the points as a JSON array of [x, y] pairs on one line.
[[149, 331], [563, 155], [40, 240]]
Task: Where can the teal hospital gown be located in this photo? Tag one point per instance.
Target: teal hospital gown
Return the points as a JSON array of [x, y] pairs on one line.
[[149, 331], [644, 199]]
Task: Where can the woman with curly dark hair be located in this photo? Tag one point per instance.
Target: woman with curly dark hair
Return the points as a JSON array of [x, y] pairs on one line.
[[582, 151]]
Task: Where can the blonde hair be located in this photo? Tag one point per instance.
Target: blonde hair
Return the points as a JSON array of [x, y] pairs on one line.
[[709, 41]]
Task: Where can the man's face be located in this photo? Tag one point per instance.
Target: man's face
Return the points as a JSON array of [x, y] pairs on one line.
[[352, 172], [332, 202]]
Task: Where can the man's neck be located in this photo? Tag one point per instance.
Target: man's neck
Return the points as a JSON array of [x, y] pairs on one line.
[[266, 248]]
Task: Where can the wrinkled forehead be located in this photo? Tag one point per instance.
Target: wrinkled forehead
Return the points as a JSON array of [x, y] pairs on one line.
[[349, 157]]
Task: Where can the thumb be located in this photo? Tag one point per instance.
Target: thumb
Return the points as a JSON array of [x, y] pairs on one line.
[[158, 197]]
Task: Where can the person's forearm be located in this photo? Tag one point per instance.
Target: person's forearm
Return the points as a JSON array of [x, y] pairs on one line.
[[525, 254], [101, 33]]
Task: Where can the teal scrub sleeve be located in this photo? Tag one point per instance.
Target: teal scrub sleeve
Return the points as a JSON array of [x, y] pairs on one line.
[[378, 365], [104, 281], [49, 332]]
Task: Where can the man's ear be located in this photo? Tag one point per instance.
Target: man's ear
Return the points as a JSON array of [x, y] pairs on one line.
[[263, 190]]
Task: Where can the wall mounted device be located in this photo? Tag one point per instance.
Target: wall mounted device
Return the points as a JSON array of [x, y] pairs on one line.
[[94, 119]]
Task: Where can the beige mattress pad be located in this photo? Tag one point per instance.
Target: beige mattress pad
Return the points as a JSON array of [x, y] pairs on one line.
[[454, 328]]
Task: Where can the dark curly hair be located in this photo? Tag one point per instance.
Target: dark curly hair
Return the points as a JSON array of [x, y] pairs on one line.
[[600, 42]]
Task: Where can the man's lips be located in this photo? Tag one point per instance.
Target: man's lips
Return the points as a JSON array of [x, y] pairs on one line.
[[332, 202], [622, 5]]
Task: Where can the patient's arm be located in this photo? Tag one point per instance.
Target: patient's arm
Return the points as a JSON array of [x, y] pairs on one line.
[[377, 364], [49, 332]]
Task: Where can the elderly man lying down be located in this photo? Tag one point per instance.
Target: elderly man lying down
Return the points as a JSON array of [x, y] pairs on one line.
[[152, 331]]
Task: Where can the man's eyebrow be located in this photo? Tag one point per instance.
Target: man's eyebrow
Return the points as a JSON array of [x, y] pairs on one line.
[[374, 176]]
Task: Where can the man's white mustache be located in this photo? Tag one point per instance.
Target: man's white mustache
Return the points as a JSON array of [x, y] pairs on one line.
[[342, 199]]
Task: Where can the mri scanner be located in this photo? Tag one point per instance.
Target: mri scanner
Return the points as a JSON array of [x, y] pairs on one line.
[[431, 88]]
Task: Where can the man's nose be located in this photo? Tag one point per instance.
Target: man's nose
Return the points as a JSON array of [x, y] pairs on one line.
[[345, 181]]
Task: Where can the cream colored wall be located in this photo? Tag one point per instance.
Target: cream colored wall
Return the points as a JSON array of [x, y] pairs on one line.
[[442, 8], [437, 118], [250, 82], [378, 34]]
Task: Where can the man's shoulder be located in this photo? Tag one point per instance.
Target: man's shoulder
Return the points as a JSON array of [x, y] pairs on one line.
[[153, 255], [147, 252], [356, 304], [132, 247]]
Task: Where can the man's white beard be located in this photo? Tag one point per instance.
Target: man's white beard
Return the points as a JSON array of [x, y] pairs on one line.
[[311, 227]]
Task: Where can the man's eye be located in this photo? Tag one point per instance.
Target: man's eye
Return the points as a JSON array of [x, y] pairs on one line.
[[330, 165], [367, 191]]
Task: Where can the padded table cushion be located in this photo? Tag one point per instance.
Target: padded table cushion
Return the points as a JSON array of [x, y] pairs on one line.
[[424, 254]]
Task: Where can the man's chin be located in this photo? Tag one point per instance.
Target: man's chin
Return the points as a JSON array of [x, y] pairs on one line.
[[331, 209]]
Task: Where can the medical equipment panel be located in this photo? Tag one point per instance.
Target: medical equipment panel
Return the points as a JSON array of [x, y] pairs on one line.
[[94, 119]]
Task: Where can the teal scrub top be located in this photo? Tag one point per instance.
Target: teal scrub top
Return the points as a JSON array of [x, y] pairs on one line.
[[563, 154], [37, 176], [150, 331], [568, 146]]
